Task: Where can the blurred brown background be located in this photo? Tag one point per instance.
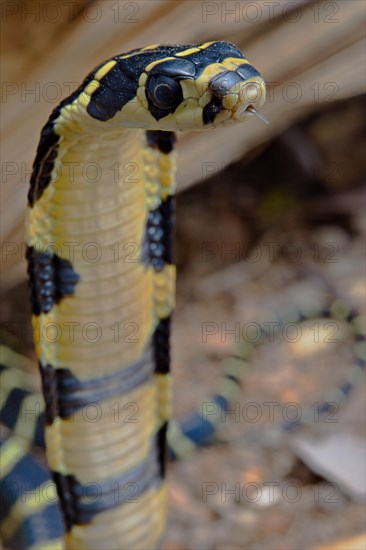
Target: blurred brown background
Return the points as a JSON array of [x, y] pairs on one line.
[[260, 208]]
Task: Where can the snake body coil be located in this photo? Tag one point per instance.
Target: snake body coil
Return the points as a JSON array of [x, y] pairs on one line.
[[102, 278]]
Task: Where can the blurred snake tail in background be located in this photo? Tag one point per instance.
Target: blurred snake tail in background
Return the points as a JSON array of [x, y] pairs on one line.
[[109, 472]]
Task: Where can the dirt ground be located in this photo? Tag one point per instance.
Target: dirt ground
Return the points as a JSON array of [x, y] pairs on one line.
[[260, 488]]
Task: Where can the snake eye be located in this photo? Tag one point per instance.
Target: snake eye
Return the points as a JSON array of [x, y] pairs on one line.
[[164, 92]]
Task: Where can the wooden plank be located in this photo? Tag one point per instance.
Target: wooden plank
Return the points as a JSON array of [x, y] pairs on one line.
[[310, 46]]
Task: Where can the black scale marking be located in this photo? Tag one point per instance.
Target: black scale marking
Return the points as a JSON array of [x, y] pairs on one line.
[[65, 393], [51, 278], [157, 247], [80, 503]]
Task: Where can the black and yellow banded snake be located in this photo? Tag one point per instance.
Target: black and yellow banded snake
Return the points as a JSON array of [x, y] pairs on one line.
[[126, 110]]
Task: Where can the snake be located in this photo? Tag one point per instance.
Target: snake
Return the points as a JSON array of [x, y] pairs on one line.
[[101, 269], [100, 232]]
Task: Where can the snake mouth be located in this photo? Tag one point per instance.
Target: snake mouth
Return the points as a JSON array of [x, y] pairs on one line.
[[253, 111], [251, 98], [243, 110]]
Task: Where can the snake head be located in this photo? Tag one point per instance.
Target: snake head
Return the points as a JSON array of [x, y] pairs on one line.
[[202, 87], [181, 87]]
